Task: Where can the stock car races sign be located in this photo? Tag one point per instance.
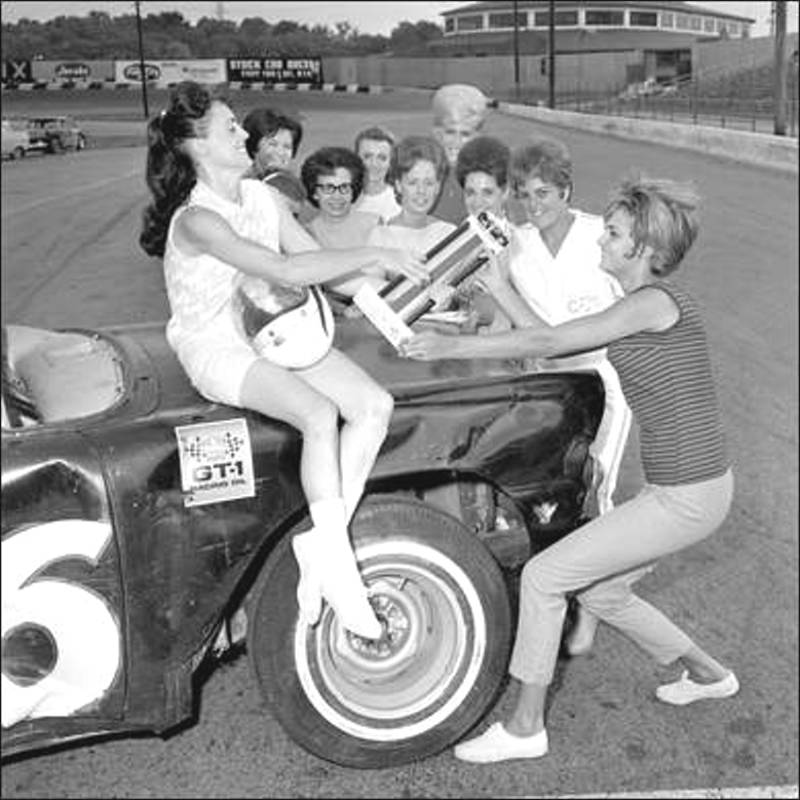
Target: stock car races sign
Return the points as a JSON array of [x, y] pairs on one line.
[[276, 70], [163, 73]]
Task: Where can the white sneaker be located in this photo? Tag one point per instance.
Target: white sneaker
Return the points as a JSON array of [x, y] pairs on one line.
[[685, 691], [497, 744]]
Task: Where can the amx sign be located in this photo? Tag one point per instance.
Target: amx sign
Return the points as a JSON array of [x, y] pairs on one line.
[[17, 71]]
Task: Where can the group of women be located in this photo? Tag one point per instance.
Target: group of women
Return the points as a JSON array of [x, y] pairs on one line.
[[380, 192], [235, 248]]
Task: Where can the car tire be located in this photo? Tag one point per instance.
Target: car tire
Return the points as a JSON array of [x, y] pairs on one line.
[[438, 668], [18, 152], [80, 143]]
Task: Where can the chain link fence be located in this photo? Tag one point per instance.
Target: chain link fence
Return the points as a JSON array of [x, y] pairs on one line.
[[743, 100]]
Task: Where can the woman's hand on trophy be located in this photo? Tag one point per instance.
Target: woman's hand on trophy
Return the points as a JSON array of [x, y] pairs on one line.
[[406, 263], [495, 276], [429, 346]]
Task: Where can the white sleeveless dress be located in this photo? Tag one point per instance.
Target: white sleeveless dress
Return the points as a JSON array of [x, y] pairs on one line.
[[203, 329]]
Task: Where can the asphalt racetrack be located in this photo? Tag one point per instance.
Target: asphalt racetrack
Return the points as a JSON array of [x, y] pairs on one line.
[[70, 257]]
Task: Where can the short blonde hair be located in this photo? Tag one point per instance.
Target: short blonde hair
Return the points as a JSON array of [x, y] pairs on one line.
[[664, 217], [459, 101]]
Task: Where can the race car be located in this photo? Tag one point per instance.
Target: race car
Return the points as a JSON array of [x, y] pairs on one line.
[[139, 519]]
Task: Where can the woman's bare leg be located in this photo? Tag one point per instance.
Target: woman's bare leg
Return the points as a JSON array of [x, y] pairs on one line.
[[366, 409], [279, 393], [527, 718], [327, 565], [702, 667]]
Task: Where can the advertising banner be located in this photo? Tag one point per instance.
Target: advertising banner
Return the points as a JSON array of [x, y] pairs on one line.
[[276, 70], [202, 70], [18, 71], [76, 70]]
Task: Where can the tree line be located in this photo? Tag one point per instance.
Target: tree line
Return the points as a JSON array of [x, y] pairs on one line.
[[169, 36]]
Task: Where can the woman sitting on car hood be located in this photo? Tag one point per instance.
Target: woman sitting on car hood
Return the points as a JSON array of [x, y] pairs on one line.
[[237, 265]]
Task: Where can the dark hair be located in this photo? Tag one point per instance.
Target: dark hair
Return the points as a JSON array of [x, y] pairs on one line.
[[545, 159], [374, 134], [171, 175], [326, 161], [287, 183], [412, 149], [261, 122], [483, 154]]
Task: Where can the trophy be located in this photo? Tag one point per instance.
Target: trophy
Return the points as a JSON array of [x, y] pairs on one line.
[[452, 260]]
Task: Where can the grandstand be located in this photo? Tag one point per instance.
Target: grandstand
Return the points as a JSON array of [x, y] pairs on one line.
[[663, 31]]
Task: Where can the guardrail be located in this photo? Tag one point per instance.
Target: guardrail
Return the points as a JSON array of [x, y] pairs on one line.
[[762, 149]]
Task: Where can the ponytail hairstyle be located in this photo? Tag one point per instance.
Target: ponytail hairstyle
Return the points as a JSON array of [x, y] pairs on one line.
[[171, 174], [663, 216]]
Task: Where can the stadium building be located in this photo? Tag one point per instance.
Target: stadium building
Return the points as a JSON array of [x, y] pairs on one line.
[[663, 32]]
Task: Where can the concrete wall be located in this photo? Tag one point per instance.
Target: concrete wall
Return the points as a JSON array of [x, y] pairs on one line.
[[567, 40], [775, 152], [494, 75], [584, 71]]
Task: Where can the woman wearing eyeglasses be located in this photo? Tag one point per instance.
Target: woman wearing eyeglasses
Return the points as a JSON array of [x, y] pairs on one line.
[[334, 179]]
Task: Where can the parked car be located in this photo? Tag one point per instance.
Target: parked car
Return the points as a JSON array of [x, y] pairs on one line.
[[56, 134], [137, 518], [644, 88], [15, 138]]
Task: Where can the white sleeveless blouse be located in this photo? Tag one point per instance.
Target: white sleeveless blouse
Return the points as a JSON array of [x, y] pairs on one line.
[[200, 287]]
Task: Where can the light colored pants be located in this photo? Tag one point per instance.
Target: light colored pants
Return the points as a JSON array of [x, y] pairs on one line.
[[601, 560]]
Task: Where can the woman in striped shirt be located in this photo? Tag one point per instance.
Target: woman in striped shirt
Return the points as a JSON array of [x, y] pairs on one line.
[[656, 341]]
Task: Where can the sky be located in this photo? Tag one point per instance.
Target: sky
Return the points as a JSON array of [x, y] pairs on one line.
[[367, 17]]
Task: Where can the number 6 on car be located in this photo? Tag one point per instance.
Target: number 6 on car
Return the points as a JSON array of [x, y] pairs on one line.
[[61, 643]]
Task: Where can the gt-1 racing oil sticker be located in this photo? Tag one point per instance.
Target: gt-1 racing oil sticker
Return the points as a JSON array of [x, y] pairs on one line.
[[216, 462]]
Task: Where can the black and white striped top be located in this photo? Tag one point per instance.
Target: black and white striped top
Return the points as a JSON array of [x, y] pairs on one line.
[[668, 382]]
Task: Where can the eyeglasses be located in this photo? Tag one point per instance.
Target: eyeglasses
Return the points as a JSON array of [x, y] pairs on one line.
[[329, 189]]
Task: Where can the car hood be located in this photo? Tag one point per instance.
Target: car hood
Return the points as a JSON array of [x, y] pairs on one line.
[[147, 351]]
